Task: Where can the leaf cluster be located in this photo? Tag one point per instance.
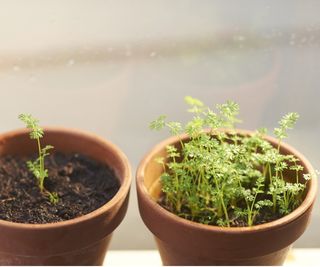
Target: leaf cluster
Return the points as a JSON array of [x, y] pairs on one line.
[[220, 177]]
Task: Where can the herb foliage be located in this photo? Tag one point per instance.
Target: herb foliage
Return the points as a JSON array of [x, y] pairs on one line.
[[37, 167], [220, 177]]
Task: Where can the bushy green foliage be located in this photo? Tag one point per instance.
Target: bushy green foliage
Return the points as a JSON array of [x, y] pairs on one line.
[[37, 166], [222, 177]]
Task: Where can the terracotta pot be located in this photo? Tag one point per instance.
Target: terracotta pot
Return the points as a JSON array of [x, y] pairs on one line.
[[80, 241], [182, 242]]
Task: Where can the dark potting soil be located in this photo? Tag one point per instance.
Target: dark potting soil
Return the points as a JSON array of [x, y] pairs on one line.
[[81, 183]]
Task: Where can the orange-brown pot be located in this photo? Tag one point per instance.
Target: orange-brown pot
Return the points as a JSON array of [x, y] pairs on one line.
[[80, 241], [182, 242]]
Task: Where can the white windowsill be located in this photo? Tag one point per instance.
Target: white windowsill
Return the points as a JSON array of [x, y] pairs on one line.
[[297, 257]]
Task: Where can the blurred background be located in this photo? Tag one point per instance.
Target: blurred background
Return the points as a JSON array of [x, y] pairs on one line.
[[111, 67]]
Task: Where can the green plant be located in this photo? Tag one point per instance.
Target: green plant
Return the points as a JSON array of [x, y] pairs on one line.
[[222, 177], [37, 167]]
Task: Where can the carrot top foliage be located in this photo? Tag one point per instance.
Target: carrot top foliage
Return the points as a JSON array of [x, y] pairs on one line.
[[37, 166], [226, 178]]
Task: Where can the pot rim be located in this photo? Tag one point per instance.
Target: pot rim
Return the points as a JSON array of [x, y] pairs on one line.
[[122, 192], [304, 206]]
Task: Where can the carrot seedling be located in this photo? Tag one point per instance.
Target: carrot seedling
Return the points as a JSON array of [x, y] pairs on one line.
[[226, 178], [37, 167]]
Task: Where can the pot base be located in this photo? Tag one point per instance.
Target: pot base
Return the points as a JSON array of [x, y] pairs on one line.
[[92, 255], [172, 256]]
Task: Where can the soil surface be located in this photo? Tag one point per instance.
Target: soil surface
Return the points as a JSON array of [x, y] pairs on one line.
[[81, 183]]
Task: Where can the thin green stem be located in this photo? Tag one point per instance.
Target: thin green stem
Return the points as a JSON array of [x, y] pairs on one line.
[[270, 173], [225, 210], [41, 162]]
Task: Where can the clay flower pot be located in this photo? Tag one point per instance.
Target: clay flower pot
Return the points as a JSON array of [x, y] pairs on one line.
[[183, 242], [80, 241]]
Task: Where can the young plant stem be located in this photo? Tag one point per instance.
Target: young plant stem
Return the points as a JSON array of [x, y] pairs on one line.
[[225, 211], [41, 180]]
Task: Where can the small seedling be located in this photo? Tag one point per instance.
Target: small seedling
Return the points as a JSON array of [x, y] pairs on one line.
[[37, 167], [225, 178]]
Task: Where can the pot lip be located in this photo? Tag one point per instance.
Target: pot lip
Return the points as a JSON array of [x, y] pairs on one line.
[[122, 192], [298, 212]]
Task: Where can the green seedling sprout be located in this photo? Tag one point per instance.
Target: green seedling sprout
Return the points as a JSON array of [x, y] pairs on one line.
[[219, 177], [37, 167]]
